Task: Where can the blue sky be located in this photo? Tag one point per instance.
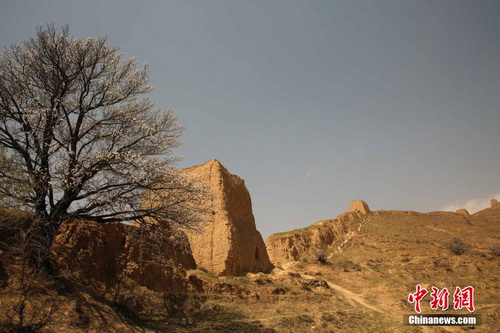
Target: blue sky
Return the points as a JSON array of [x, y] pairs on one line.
[[316, 103]]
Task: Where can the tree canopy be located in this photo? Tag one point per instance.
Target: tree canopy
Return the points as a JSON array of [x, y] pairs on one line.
[[82, 137]]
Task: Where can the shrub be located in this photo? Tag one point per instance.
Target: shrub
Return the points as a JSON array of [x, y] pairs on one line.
[[458, 246], [320, 253]]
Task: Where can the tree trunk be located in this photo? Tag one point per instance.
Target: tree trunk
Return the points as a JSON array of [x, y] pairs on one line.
[[42, 233]]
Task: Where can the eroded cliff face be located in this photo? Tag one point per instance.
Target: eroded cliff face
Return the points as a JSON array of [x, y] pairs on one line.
[[328, 237], [107, 253], [229, 243], [324, 237]]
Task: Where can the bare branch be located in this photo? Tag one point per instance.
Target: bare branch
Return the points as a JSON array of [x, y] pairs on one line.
[[86, 139]]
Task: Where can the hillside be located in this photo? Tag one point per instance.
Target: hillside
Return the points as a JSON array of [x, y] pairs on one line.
[[370, 262], [394, 251]]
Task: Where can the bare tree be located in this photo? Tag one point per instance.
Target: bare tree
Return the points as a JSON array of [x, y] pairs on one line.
[[82, 137]]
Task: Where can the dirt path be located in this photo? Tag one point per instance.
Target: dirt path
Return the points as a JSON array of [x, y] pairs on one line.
[[351, 234], [354, 297], [349, 295], [359, 299]]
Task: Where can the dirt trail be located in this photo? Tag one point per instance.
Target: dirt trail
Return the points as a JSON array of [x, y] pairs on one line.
[[363, 220], [355, 297], [349, 295]]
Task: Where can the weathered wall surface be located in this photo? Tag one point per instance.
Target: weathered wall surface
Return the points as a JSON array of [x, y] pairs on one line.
[[327, 235], [229, 243], [105, 253]]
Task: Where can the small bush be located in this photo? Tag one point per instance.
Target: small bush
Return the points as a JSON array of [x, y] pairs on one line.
[[458, 246], [320, 253]]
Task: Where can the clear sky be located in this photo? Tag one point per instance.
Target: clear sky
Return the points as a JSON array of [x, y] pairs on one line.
[[316, 103]]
